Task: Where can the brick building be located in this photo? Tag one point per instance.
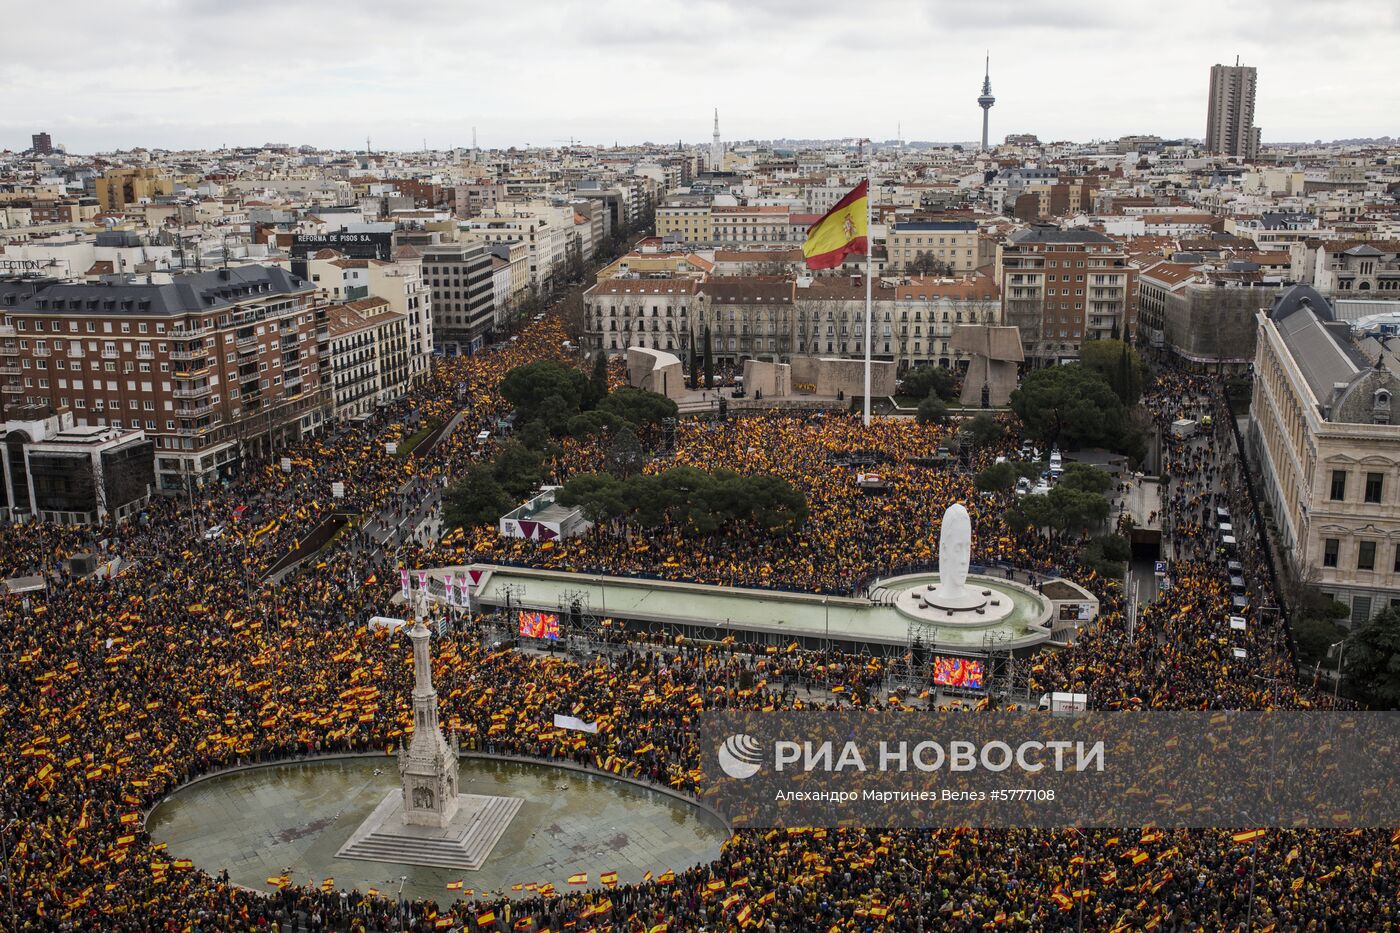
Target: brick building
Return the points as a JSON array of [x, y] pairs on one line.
[[211, 366]]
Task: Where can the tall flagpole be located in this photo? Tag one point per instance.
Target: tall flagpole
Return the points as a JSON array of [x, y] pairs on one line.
[[869, 243]]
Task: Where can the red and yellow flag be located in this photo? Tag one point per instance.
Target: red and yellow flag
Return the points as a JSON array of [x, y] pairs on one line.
[[840, 232]]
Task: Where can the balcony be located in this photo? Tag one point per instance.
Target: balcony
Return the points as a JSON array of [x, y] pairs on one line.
[[12, 388], [189, 333], [9, 349], [7, 330], [144, 354], [194, 392], [42, 351], [194, 411], [243, 343], [185, 356]]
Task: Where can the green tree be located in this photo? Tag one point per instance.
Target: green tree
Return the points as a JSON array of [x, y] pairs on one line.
[[999, 477], [1071, 406], [1314, 634], [589, 423], [1063, 510], [638, 406], [518, 469], [475, 499], [709, 361], [932, 410], [624, 454], [554, 413], [600, 496], [1106, 555], [598, 382], [1120, 366], [526, 387], [1085, 477], [925, 379], [983, 430], [1372, 660]]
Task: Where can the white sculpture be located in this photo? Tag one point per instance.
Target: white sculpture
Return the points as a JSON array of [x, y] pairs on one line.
[[954, 554], [954, 551]]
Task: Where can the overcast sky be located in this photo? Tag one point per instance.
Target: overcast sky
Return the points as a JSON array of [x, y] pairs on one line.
[[100, 75]]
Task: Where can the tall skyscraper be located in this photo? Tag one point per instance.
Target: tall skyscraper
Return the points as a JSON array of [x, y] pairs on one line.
[[1230, 128], [716, 148], [41, 143], [986, 100]]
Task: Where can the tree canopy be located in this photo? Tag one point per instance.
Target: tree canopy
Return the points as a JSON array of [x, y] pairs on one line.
[[527, 387], [1119, 364], [1072, 406], [475, 499], [921, 380], [688, 497], [932, 410], [1372, 660], [638, 406], [983, 430]]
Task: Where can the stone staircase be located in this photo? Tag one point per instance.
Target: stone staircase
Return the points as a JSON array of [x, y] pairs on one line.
[[466, 843]]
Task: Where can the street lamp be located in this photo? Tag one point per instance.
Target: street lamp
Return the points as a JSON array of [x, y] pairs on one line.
[[1341, 648]]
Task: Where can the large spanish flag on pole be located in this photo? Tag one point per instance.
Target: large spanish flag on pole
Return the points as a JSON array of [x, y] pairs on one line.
[[840, 232]]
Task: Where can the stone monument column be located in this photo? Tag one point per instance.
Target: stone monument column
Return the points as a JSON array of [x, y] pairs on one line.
[[428, 767]]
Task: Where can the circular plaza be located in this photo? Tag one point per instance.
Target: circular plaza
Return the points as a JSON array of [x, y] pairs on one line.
[[289, 820]]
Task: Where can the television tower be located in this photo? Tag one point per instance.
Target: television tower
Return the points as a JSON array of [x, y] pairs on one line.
[[986, 100], [716, 148]]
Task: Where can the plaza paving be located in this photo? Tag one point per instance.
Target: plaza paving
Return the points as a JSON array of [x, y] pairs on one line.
[[292, 818]]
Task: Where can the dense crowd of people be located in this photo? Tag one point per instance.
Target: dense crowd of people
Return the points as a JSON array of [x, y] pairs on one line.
[[116, 689]]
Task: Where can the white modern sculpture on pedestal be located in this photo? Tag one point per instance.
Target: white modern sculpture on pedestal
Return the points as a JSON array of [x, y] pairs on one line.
[[953, 600]]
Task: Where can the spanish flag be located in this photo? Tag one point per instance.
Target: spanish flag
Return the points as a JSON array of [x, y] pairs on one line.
[[840, 232]]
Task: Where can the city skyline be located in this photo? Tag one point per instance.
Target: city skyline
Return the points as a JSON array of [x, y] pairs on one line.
[[613, 72]]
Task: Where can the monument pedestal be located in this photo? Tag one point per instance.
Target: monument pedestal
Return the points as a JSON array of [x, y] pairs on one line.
[[465, 842]]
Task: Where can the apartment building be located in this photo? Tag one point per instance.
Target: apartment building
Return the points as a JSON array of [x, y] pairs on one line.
[[659, 313], [1326, 435], [369, 356], [1062, 287], [460, 280], [211, 366], [119, 187], [750, 225], [951, 243], [545, 235], [692, 223], [1230, 129]]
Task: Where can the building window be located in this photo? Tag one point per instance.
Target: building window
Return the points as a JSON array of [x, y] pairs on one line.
[[1366, 556], [1374, 482], [1329, 552], [1339, 485]]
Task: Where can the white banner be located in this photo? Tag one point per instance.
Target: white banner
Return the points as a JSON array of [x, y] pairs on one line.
[[573, 722], [404, 583]]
